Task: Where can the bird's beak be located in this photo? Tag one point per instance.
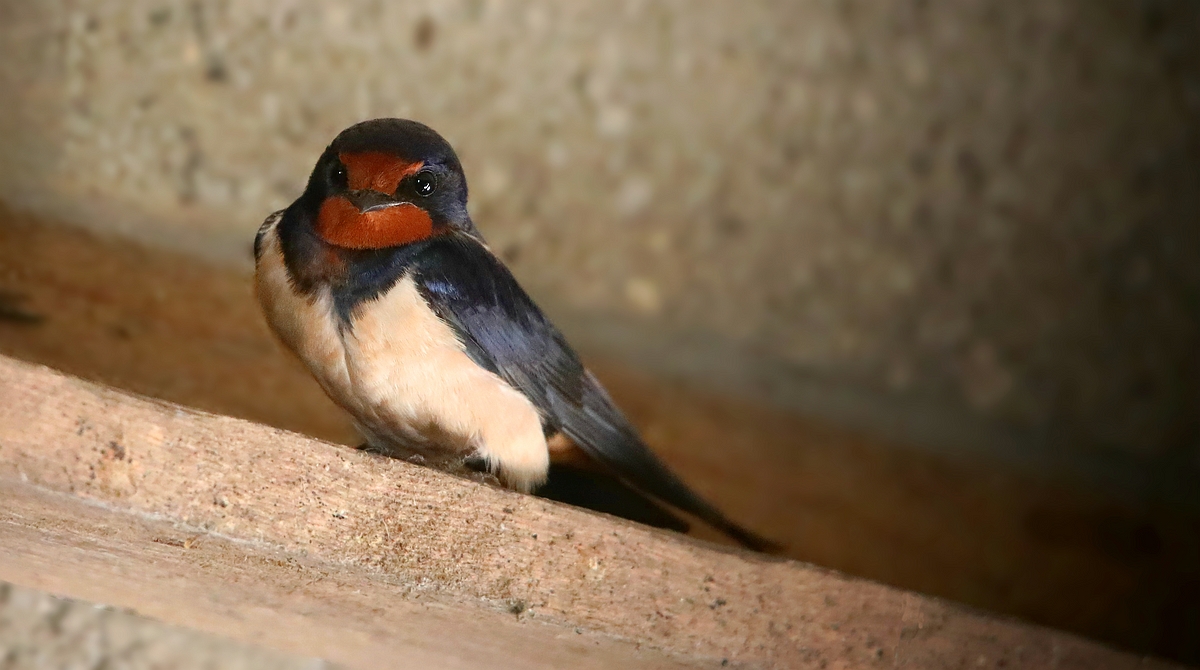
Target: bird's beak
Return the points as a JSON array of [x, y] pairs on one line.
[[367, 200]]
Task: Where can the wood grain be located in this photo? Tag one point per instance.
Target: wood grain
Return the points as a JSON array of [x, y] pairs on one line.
[[307, 536]]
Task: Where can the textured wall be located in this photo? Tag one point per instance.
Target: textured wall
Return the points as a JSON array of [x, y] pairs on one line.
[[990, 206]]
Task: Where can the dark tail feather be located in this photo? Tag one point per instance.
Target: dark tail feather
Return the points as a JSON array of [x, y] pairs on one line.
[[746, 538], [605, 493], [604, 434]]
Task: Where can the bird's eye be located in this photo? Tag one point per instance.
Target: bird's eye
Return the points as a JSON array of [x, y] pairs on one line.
[[338, 176], [424, 183]]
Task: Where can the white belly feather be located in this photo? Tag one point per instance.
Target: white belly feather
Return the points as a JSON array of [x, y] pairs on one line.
[[404, 375]]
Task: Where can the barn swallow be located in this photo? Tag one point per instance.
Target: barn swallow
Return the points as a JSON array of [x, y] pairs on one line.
[[378, 280]]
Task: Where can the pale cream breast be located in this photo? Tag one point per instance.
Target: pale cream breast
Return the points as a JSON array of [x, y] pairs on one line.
[[411, 372], [303, 323], [404, 375]]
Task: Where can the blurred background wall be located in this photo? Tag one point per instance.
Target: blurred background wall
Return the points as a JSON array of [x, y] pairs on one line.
[[973, 224]]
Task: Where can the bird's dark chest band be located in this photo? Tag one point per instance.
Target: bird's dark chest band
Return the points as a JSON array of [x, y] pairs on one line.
[[370, 275], [352, 275], [355, 277]]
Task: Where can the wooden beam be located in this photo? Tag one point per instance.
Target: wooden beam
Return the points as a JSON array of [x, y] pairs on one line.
[[312, 548], [255, 593]]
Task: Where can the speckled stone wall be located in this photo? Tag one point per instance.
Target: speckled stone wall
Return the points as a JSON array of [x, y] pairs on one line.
[[988, 206]]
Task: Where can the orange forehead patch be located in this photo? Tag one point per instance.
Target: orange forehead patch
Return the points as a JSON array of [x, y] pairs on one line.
[[376, 170], [341, 224]]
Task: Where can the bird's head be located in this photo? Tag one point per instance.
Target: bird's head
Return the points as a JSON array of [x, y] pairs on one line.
[[385, 183]]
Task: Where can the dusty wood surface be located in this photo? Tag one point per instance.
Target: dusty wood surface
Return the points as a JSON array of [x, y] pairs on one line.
[[254, 593], [265, 535]]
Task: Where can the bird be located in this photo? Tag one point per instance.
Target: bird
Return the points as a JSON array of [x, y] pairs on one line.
[[378, 280]]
